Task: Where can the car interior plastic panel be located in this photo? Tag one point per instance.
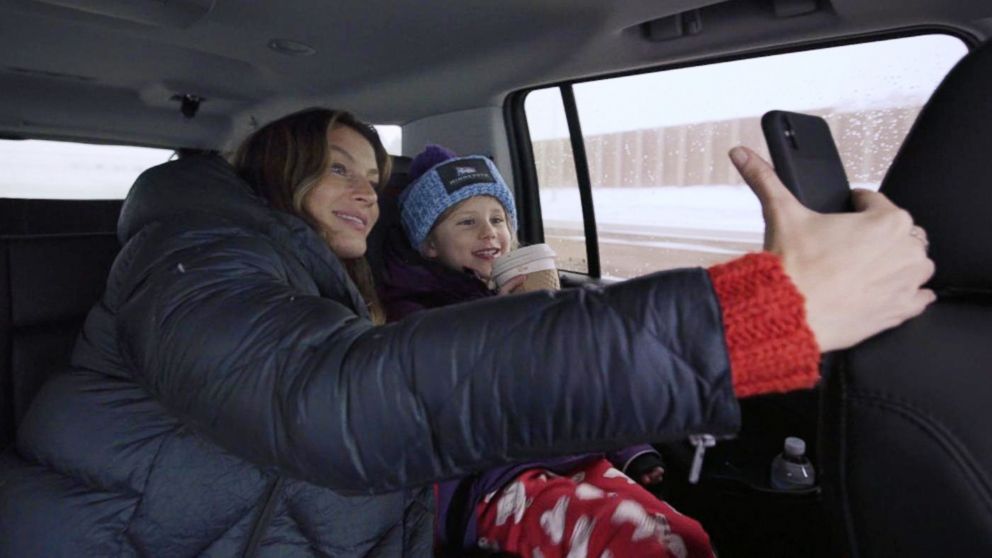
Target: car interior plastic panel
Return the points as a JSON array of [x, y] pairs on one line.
[[904, 411]]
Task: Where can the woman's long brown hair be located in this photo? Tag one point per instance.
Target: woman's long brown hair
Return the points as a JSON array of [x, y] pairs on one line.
[[284, 160]]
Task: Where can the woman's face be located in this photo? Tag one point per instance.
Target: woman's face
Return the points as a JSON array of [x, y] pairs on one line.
[[343, 203], [471, 237]]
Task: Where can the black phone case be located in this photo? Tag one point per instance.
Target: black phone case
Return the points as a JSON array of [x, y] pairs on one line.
[[806, 159]]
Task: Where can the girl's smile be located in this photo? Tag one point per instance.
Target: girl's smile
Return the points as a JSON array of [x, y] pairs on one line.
[[488, 254], [471, 236]]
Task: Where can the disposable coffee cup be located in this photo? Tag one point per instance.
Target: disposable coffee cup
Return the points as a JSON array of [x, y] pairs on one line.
[[537, 262]]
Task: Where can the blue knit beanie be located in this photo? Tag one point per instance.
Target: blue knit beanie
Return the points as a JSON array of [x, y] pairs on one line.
[[441, 179]]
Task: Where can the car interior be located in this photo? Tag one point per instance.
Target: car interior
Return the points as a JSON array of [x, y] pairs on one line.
[[904, 467]]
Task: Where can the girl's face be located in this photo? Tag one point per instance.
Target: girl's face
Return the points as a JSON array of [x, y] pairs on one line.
[[343, 203], [471, 236]]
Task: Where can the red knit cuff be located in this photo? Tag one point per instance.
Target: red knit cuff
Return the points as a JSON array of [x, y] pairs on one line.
[[772, 348]]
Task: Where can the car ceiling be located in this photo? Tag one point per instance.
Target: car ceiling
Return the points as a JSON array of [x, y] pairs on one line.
[[108, 70]]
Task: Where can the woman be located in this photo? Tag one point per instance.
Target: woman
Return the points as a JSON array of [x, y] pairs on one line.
[[230, 394]]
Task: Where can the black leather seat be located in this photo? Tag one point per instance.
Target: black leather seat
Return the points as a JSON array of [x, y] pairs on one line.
[[906, 447], [54, 260]]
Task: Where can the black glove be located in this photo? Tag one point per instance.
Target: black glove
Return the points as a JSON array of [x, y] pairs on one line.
[[643, 464]]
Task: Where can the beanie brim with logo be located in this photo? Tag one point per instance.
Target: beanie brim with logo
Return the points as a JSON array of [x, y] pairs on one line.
[[446, 184]]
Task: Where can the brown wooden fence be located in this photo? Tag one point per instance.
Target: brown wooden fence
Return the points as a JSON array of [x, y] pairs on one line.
[[696, 154]]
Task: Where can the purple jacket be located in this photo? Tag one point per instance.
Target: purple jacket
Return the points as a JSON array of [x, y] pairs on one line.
[[410, 284]]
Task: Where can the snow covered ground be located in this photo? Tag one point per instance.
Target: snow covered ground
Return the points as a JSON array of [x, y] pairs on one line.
[[653, 228], [717, 212]]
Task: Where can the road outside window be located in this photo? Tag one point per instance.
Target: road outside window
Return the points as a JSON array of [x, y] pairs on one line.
[[664, 193]]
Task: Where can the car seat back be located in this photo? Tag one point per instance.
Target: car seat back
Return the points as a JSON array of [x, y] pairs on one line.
[[54, 259], [905, 445]]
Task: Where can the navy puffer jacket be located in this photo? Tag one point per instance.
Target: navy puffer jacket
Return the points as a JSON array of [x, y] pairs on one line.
[[228, 395]]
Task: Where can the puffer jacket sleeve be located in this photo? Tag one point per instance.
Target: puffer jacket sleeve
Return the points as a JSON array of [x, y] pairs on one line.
[[229, 342]]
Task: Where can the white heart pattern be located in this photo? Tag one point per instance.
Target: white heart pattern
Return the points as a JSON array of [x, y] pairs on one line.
[[512, 502], [673, 542], [586, 491], [653, 525], [613, 473], [578, 544], [553, 521], [630, 511]]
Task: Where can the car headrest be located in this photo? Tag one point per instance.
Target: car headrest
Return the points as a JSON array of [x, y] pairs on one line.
[[399, 178], [943, 176], [387, 232]]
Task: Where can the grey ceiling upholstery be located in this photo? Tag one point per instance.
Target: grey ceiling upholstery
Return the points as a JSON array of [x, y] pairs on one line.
[[108, 69]]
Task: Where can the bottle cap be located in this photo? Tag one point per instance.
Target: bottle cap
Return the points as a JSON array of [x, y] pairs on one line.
[[795, 447]]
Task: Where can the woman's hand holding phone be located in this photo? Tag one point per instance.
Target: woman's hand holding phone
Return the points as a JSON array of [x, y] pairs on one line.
[[860, 273], [807, 161]]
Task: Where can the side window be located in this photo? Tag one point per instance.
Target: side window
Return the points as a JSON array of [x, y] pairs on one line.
[[561, 208], [66, 170], [664, 193]]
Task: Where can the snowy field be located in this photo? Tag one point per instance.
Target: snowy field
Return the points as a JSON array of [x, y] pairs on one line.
[[717, 212], [654, 228]]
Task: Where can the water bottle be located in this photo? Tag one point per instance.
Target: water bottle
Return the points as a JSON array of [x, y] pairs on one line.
[[791, 469]]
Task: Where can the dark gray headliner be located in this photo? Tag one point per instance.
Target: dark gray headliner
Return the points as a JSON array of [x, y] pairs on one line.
[[100, 70]]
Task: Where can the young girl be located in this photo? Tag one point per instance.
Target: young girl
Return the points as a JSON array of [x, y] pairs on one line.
[[459, 216]]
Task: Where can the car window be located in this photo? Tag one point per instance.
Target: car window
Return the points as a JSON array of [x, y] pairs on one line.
[[391, 137], [66, 170], [664, 193], [559, 186]]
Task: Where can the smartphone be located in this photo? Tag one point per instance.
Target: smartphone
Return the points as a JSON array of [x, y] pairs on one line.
[[806, 159]]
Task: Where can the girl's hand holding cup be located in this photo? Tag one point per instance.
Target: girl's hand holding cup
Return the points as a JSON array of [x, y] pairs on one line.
[[512, 285], [526, 269]]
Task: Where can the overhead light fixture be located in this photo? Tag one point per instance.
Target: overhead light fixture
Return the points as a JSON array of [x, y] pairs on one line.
[[291, 48]]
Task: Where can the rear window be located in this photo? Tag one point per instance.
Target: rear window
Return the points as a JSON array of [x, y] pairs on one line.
[[41, 169], [391, 137], [65, 170]]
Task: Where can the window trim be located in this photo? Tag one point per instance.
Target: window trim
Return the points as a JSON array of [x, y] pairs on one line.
[[578, 142]]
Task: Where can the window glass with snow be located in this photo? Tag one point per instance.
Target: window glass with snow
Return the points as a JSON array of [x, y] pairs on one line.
[[664, 192]]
